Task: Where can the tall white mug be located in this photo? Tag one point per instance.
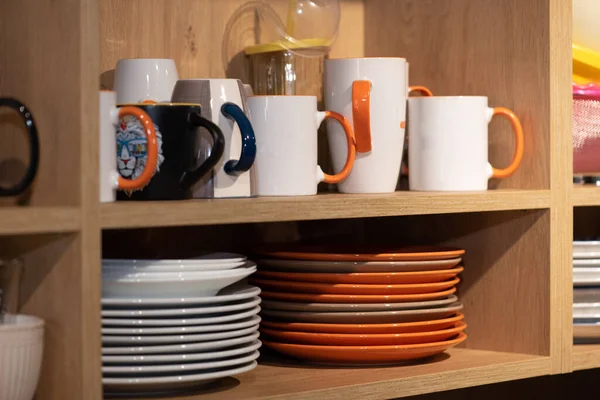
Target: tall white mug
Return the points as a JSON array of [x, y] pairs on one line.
[[286, 140], [223, 102], [448, 146], [371, 93], [141, 79], [110, 114]]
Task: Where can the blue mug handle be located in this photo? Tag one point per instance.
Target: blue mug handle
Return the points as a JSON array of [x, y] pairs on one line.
[[237, 167]]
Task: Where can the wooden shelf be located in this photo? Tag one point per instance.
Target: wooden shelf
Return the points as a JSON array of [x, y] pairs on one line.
[[586, 196], [463, 368], [586, 356], [27, 220], [325, 206]]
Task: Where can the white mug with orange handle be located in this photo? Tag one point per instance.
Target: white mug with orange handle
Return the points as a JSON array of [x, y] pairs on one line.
[[448, 146], [147, 143], [372, 94], [286, 129]]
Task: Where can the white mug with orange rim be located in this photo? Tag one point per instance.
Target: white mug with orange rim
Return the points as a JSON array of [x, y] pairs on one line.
[[110, 114], [371, 93], [286, 141], [141, 79], [448, 146]]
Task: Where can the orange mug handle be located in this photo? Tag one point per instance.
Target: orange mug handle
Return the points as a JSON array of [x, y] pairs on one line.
[[361, 115], [519, 143], [152, 151], [343, 174], [422, 89]]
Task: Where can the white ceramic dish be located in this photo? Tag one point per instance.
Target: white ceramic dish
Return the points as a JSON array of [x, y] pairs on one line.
[[152, 386], [586, 276], [316, 307], [367, 317], [21, 349], [113, 340], [181, 368], [172, 322], [186, 285], [171, 267], [349, 266], [586, 263], [586, 246], [206, 259], [114, 274], [183, 330], [586, 310], [235, 292], [179, 348], [185, 357], [181, 312]]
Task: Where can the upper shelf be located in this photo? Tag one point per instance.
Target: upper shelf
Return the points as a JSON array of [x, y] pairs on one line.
[[326, 206], [28, 220], [588, 195]]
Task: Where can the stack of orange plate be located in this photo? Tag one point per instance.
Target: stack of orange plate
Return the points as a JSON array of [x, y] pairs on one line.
[[377, 307]]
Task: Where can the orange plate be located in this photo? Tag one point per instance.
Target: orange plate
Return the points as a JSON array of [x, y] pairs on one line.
[[341, 339], [332, 253], [353, 298], [361, 355], [381, 278], [330, 288], [405, 327]]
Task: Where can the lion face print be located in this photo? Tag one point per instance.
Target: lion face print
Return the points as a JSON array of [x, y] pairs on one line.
[[132, 148]]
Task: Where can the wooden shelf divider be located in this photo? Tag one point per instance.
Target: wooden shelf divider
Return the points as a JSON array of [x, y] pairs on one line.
[[27, 220], [325, 206], [586, 196], [586, 356]]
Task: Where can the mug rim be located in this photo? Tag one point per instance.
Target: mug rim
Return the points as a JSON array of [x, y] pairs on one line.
[[145, 59]]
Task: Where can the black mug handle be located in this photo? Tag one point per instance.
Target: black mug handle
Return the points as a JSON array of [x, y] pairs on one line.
[[192, 177], [34, 147]]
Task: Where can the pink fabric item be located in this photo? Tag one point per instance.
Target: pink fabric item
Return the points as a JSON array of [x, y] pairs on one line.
[[586, 128]]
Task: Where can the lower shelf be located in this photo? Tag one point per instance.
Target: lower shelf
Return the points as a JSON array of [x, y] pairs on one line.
[[278, 379], [586, 356]]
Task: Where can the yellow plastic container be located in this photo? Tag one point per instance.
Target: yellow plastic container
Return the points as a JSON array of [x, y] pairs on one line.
[[586, 65]]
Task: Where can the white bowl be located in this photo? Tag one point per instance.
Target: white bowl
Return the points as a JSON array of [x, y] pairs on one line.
[[162, 285], [118, 274], [21, 348], [209, 262]]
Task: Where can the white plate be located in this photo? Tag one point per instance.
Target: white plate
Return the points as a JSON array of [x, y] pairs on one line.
[[181, 312], [368, 317], [587, 263], [181, 368], [112, 340], [586, 276], [287, 306], [165, 385], [206, 259], [186, 357], [171, 322], [235, 292], [143, 275], [351, 266], [586, 310], [179, 348], [586, 249], [173, 267], [183, 330], [207, 284]]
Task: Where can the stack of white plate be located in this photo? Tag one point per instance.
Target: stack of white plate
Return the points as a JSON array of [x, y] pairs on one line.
[[172, 325], [586, 292]]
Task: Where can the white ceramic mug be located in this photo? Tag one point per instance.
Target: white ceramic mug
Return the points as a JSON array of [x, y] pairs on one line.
[[371, 93], [448, 146], [110, 114], [223, 102], [286, 141], [141, 79]]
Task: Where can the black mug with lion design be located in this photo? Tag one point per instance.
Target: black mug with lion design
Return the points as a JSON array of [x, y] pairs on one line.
[[177, 128]]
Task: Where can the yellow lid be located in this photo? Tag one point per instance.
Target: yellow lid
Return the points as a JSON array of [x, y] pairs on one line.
[[586, 65], [304, 44]]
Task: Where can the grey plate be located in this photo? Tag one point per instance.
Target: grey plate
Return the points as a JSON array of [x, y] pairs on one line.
[[350, 266], [145, 386], [179, 348], [170, 322], [183, 311], [181, 358], [127, 340], [286, 306], [368, 317]]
